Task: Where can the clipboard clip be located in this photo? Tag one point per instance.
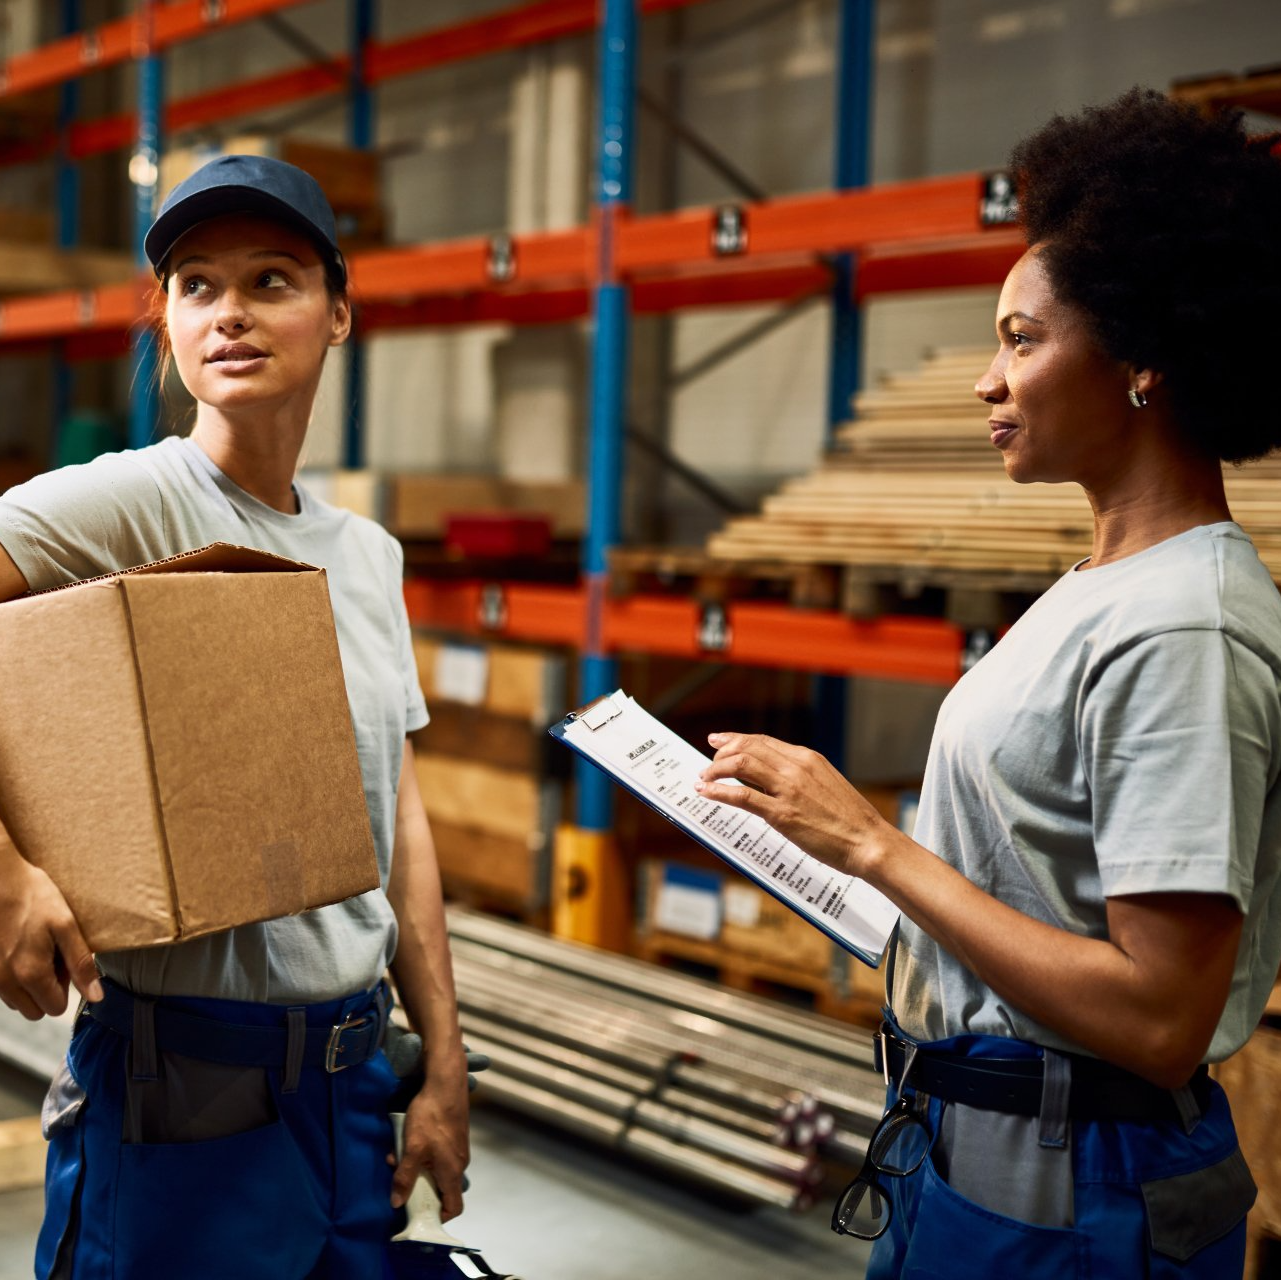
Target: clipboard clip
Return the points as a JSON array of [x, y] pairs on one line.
[[596, 715]]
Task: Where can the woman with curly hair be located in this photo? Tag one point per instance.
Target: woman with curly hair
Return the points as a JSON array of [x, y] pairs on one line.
[[1090, 904]]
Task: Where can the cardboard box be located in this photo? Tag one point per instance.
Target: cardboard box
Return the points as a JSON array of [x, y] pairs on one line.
[[176, 748], [419, 506], [756, 924], [508, 680]]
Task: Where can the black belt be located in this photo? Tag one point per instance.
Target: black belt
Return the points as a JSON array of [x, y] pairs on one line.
[[287, 1046], [1099, 1090]]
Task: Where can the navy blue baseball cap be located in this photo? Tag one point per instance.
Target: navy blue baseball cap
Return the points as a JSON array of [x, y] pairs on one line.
[[246, 184]]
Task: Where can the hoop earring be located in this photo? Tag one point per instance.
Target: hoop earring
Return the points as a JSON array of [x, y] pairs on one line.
[[1137, 398]]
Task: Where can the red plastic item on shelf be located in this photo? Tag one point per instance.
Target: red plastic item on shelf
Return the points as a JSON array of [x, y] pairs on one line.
[[498, 534]]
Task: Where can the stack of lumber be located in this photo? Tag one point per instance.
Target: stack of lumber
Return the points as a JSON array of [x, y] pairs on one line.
[[926, 419], [482, 769], [915, 485]]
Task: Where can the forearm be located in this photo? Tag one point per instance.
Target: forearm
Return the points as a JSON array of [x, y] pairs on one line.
[[1153, 1020], [422, 968]]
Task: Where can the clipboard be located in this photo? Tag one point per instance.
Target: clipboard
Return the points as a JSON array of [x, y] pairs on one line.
[[658, 767]]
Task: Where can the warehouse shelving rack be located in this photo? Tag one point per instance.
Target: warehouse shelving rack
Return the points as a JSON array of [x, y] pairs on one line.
[[852, 242]]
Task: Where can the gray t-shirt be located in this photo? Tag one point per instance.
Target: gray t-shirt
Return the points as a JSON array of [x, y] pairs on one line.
[[1123, 737], [129, 508]]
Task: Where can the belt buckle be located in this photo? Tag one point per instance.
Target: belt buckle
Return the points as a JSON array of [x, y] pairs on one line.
[[334, 1045]]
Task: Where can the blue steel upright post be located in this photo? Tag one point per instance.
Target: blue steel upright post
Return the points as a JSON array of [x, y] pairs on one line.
[[144, 173], [360, 133], [68, 228], [854, 95], [594, 861]]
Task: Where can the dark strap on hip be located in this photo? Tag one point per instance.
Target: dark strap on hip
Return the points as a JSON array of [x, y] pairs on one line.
[[170, 1030], [1099, 1091]]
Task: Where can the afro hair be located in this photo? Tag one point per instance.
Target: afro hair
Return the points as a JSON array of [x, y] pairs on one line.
[[1164, 226]]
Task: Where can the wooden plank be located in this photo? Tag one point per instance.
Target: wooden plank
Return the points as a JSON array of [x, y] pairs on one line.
[[22, 1153], [34, 268], [475, 733], [478, 796], [914, 483], [472, 859]]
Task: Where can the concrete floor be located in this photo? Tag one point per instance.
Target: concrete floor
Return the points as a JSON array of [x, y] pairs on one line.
[[552, 1208]]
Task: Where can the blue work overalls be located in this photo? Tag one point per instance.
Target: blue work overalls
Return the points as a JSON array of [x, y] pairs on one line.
[[1152, 1202], [302, 1190]]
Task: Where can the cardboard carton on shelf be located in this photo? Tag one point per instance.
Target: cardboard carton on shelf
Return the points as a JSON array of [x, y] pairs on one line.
[[176, 748], [420, 505], [758, 925]]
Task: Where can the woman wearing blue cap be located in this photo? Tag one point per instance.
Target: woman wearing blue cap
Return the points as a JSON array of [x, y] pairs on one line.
[[215, 1139]]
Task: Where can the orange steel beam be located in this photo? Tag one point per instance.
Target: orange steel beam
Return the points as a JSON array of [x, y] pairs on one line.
[[54, 315], [822, 222], [118, 41], [64, 59], [946, 264], [449, 283], [924, 650], [674, 291], [547, 614], [453, 266]]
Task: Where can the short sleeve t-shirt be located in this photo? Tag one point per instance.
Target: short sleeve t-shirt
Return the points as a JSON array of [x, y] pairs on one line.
[[1123, 737], [129, 508]]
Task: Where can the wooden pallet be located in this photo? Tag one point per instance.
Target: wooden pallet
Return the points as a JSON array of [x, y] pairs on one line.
[[1254, 91], [755, 975], [691, 571], [915, 485]]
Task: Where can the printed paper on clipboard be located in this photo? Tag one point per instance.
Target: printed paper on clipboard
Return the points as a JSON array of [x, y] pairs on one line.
[[639, 752]]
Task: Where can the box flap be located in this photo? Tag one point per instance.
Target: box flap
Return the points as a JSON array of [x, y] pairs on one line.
[[253, 748], [217, 557]]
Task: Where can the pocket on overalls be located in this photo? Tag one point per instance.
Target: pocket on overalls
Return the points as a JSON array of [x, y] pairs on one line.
[[1196, 1221], [64, 1174], [190, 1100], [213, 1209], [210, 1182], [955, 1239]]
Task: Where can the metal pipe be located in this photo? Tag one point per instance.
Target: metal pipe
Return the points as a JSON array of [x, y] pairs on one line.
[[623, 1036], [642, 1022], [730, 1117], [680, 1061], [481, 1031], [638, 1110], [750, 1013], [704, 1025], [714, 1171], [845, 1148]]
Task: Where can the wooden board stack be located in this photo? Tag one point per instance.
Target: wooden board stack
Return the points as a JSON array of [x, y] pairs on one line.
[[915, 487]]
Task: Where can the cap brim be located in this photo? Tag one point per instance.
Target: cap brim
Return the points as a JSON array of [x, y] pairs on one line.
[[217, 202]]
